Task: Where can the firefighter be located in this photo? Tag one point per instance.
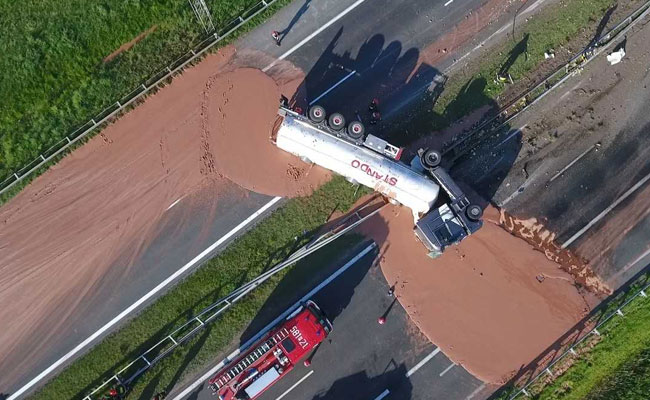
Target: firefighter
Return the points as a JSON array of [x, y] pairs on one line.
[[374, 105], [276, 37], [375, 117]]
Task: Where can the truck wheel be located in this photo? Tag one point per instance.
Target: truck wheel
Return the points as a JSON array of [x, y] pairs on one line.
[[474, 212], [316, 114], [356, 130], [431, 159], [336, 121]]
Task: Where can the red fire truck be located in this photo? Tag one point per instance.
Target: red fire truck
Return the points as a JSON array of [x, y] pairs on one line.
[[273, 355]]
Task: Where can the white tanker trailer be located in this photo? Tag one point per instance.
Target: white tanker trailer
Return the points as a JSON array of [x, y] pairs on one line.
[[373, 162]]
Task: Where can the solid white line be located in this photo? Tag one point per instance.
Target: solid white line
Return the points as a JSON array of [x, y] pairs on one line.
[[332, 88], [449, 2], [383, 394], [575, 160], [424, 361], [447, 369], [273, 323], [606, 211], [316, 32], [143, 299], [294, 385]]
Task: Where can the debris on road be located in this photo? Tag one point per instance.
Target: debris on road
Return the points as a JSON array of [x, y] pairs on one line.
[[616, 56]]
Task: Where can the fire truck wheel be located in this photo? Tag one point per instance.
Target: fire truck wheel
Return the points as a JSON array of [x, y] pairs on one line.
[[317, 114], [336, 121], [356, 130], [431, 159], [474, 212]]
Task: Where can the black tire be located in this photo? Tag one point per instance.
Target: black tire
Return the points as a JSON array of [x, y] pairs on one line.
[[336, 121], [474, 212], [431, 159], [356, 130], [317, 114]]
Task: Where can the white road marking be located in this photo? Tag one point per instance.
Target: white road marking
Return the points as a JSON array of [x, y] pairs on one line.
[[286, 392], [584, 153], [424, 361], [333, 87], [313, 34], [475, 392], [448, 2], [513, 134], [173, 204], [383, 394], [143, 299], [273, 323], [606, 211], [447, 369]]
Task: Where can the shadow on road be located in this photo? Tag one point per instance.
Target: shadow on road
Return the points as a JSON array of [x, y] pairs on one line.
[[359, 385], [407, 90], [305, 275], [283, 33]]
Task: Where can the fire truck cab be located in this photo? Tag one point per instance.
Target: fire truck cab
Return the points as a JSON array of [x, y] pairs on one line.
[[273, 355]]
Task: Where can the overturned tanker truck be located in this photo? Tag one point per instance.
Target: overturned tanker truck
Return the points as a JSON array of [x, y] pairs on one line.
[[441, 219]]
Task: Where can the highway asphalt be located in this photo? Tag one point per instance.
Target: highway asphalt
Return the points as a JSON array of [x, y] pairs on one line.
[[361, 359], [377, 38]]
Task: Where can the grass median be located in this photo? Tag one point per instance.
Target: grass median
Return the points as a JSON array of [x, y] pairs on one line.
[[247, 257], [62, 65]]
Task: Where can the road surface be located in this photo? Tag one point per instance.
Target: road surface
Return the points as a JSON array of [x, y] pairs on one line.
[[378, 39], [361, 359]]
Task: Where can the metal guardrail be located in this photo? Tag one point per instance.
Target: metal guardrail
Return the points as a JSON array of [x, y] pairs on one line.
[[136, 94], [145, 361], [571, 351], [465, 142]]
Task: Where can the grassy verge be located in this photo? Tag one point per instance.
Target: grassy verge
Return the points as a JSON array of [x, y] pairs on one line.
[[54, 74], [241, 261], [474, 86], [624, 341], [630, 382], [615, 365]]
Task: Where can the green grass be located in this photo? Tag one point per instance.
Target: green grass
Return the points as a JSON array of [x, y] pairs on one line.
[[244, 259], [630, 382], [624, 340], [475, 86], [54, 78]]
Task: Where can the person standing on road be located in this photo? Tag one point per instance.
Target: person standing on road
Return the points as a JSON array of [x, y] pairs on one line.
[[276, 37]]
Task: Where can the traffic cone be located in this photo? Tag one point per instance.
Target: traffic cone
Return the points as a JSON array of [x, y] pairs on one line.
[[307, 363]]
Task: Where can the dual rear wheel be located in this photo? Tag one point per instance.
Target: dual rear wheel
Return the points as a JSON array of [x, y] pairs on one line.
[[336, 122]]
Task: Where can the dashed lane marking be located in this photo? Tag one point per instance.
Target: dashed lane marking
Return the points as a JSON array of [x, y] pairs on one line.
[[286, 392], [424, 361], [447, 369]]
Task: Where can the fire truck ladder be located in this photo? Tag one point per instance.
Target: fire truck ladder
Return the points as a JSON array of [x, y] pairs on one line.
[[253, 356], [138, 366]]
